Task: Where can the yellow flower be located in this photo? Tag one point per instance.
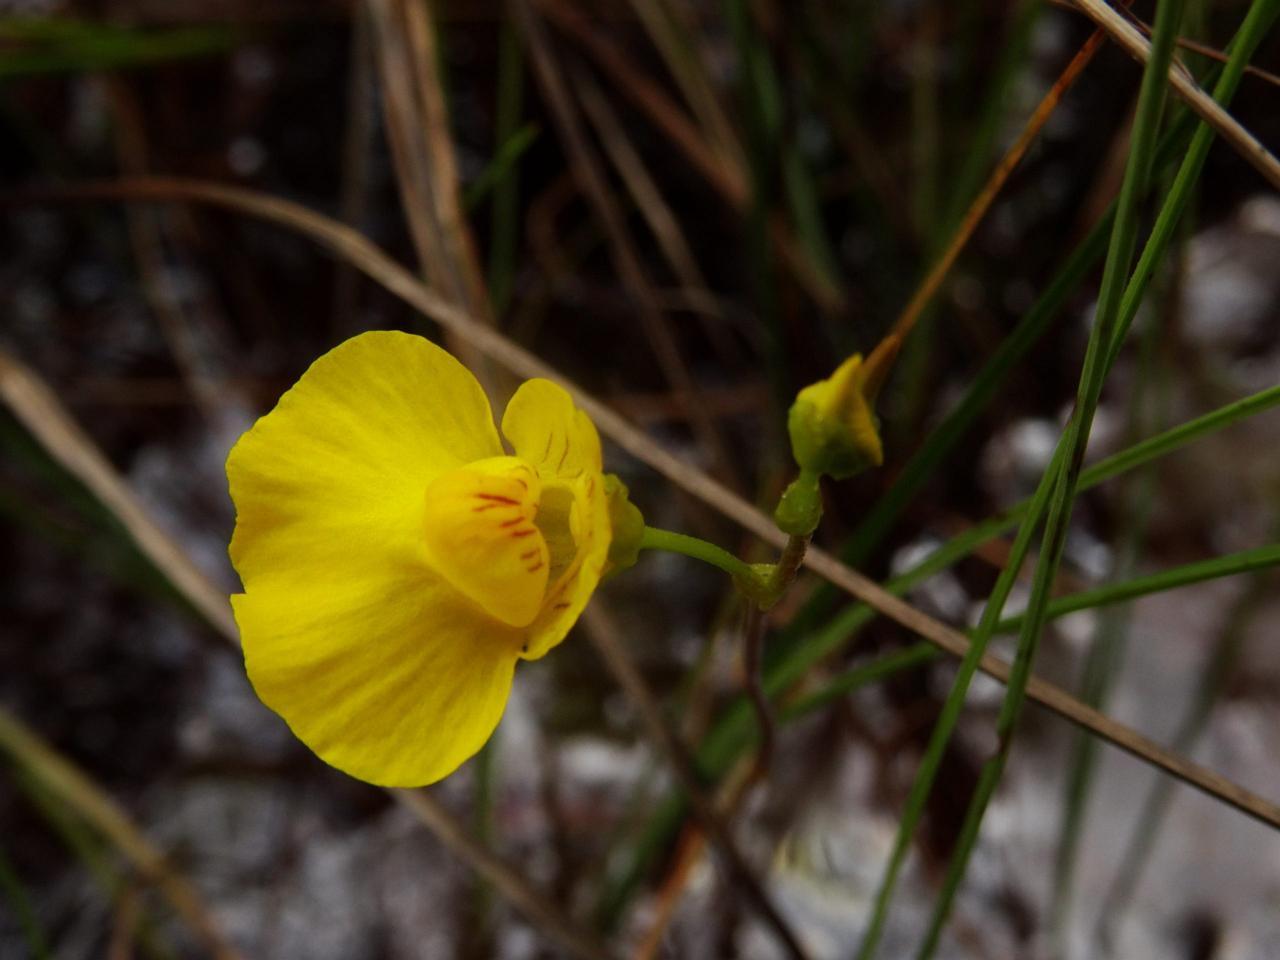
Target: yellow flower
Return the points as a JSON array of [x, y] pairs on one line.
[[397, 562]]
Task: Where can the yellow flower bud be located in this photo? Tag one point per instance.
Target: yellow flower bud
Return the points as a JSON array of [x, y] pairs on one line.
[[833, 426]]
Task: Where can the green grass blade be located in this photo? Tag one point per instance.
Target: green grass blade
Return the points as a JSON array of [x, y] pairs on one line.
[[16, 894], [1180, 436], [908, 658], [1245, 561], [1110, 639], [947, 719], [501, 167], [789, 663], [1256, 24], [1103, 344], [46, 46]]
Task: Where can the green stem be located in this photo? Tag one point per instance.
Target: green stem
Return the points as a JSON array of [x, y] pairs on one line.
[[672, 542], [1226, 566], [16, 894], [763, 583]]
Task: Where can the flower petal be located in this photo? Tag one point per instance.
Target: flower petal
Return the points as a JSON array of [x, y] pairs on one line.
[[333, 477], [376, 663], [389, 678], [550, 432], [481, 537]]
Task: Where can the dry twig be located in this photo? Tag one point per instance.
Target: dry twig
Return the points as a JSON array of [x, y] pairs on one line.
[[1240, 139], [417, 126]]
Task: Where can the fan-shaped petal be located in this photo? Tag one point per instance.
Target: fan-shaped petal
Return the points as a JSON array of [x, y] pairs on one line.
[[334, 476], [390, 678]]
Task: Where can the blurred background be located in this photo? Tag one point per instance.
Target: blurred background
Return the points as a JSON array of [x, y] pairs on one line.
[[691, 210]]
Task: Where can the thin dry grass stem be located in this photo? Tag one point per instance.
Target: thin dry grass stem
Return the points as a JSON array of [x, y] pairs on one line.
[[644, 190], [146, 236], [591, 180], [403, 119], [606, 637], [513, 887], [1203, 105], [689, 851], [357, 141], [730, 181], [928, 289], [1213, 53], [72, 787], [652, 206], [675, 41], [1193, 46], [343, 242], [735, 401], [124, 924], [424, 167], [37, 408], [423, 44]]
